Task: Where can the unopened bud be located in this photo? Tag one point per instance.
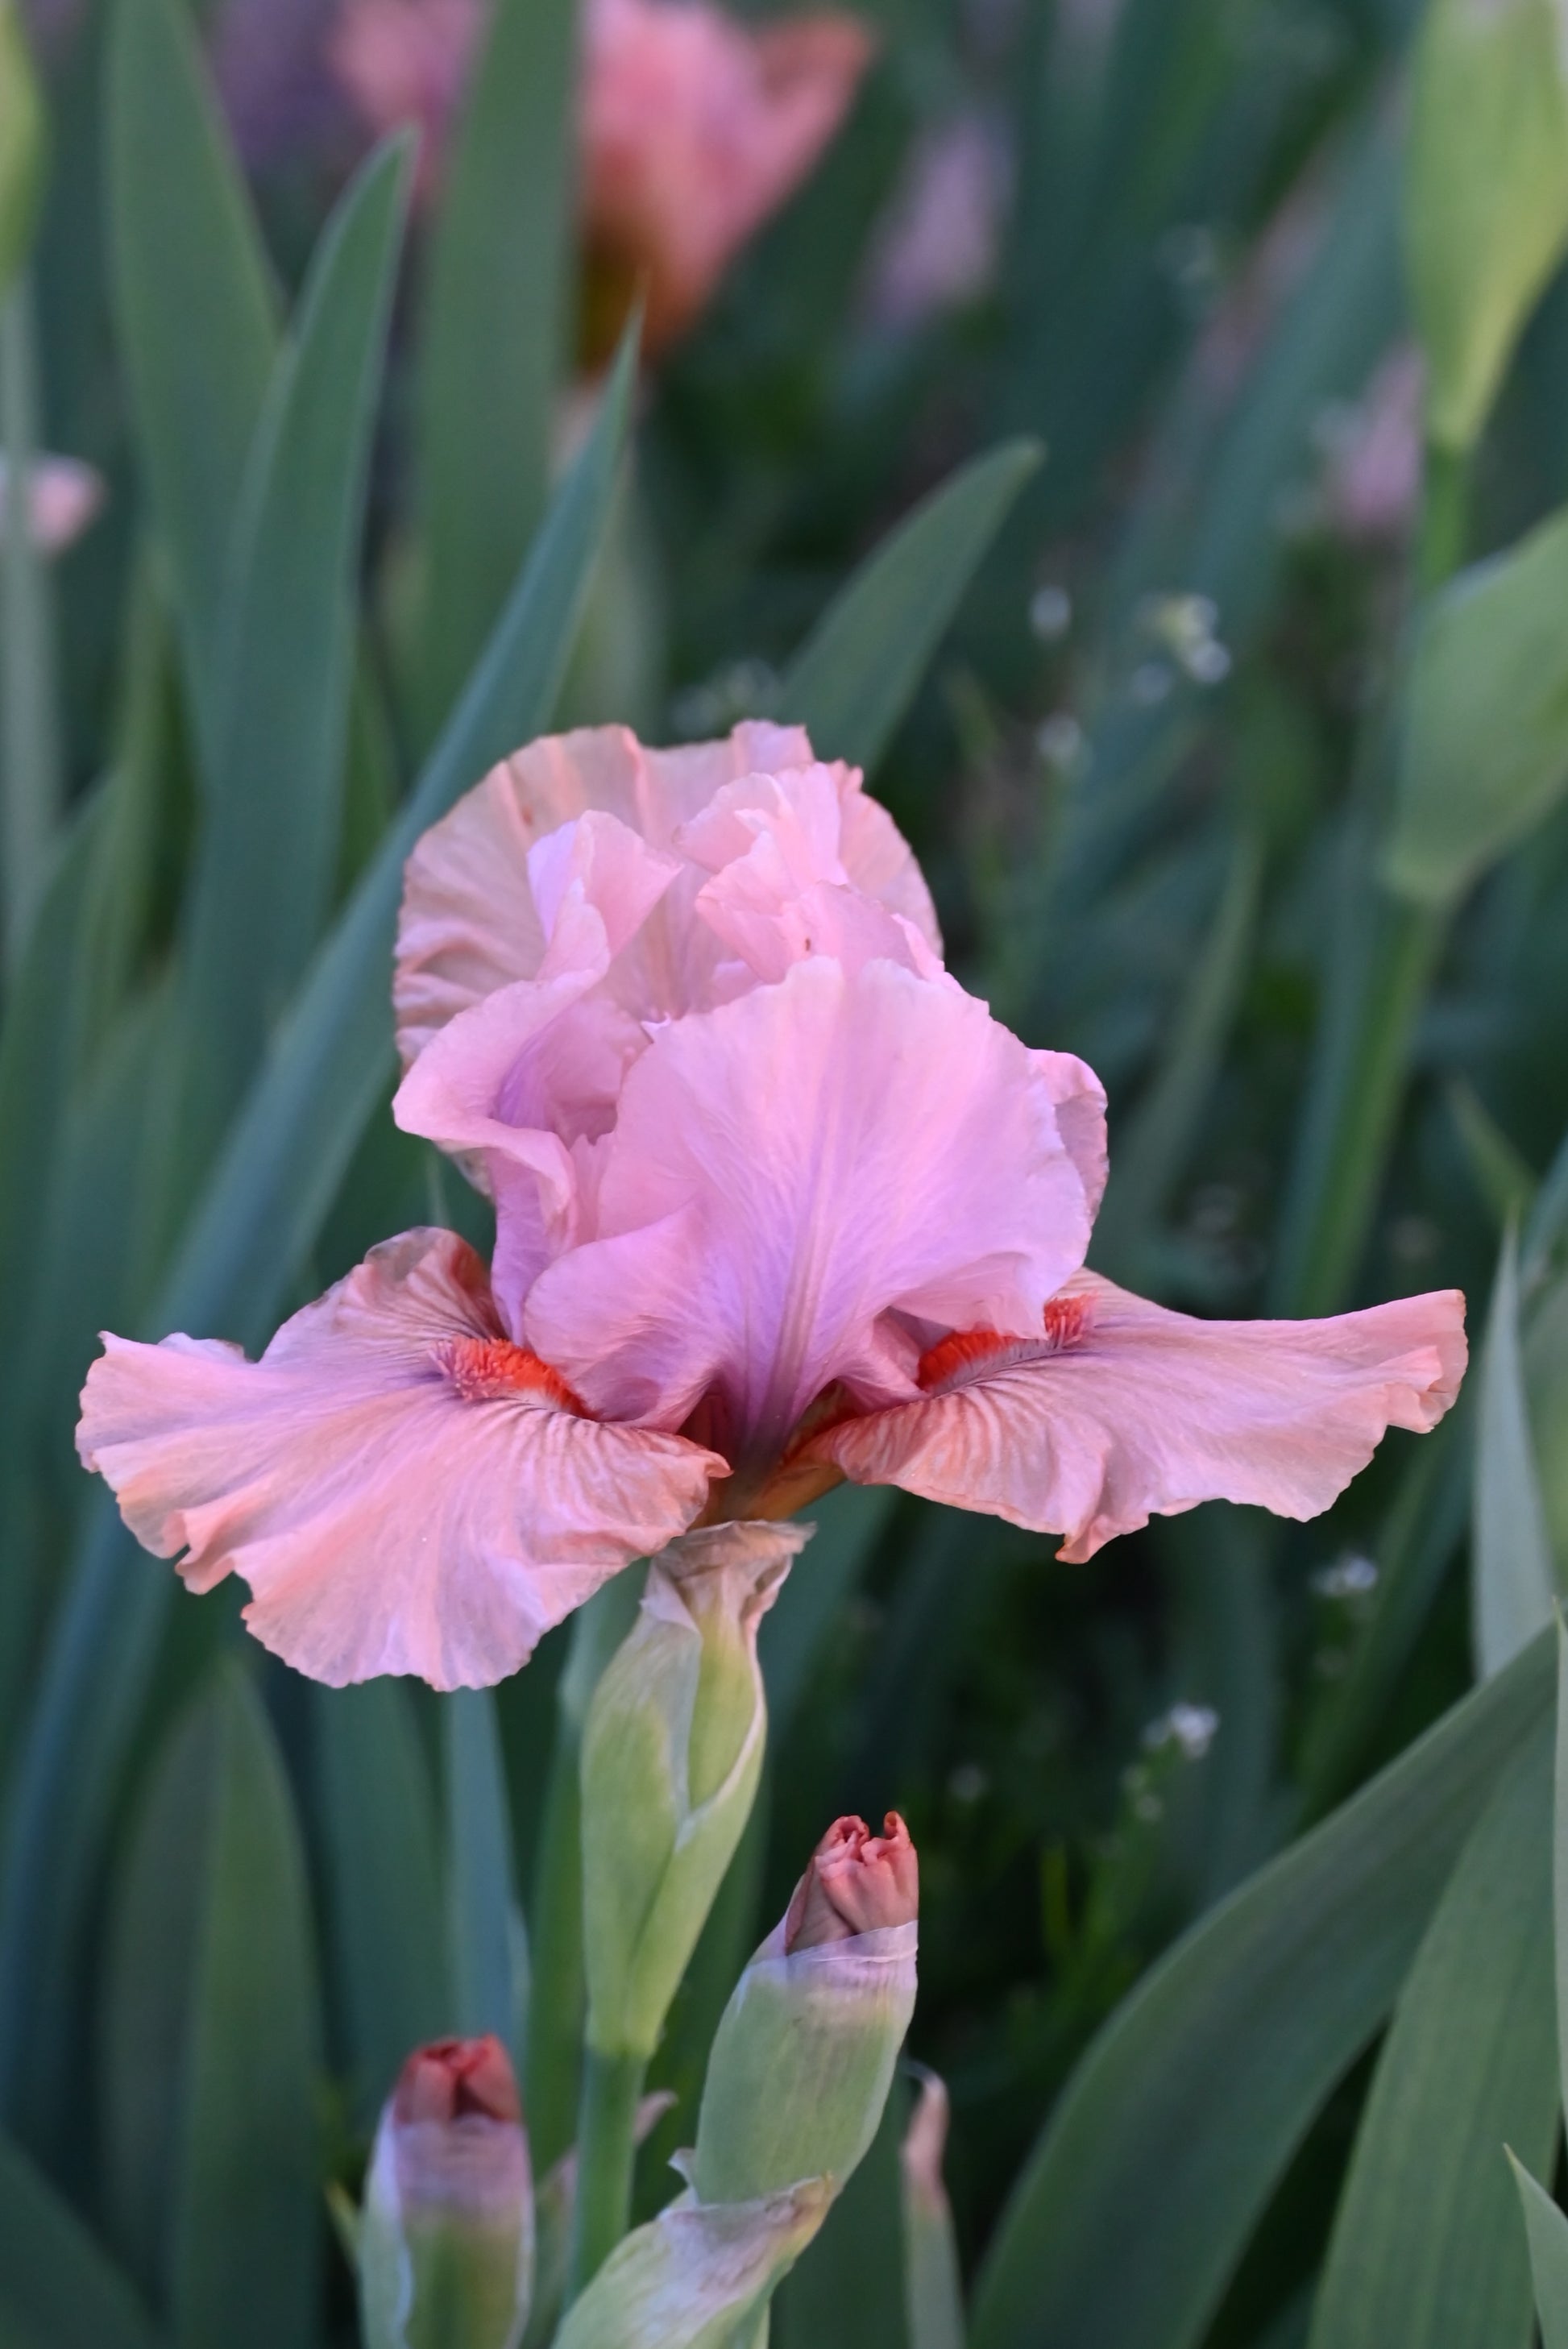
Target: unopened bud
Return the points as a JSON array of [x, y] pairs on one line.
[[698, 2275], [672, 1752], [856, 1883], [804, 2054], [1486, 207], [446, 2257]]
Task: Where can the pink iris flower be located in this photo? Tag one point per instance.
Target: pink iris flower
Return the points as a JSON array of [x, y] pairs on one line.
[[777, 1203], [694, 127], [403, 62]]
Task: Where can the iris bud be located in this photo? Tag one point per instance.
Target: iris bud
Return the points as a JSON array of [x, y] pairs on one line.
[[446, 2242], [1487, 194], [804, 2054], [672, 1752]]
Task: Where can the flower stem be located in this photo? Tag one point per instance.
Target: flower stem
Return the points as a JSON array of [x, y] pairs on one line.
[[606, 2148], [1378, 985], [1353, 1103]]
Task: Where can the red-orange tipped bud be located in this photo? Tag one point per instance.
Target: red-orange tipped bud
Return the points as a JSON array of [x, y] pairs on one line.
[[454, 2076], [445, 2238], [856, 1883]]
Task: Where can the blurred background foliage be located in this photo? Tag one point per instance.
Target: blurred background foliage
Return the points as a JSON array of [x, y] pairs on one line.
[[1152, 718]]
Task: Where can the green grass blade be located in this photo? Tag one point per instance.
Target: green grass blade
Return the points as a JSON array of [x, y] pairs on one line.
[[248, 2208], [334, 1053], [288, 661], [1158, 1135], [1510, 1548], [34, 1074], [21, 144], [274, 809], [489, 1951], [847, 2291], [1332, 332], [1560, 1864], [1500, 1172], [32, 798], [1425, 1524], [1187, 2107], [383, 1888], [1425, 2251], [149, 1963], [857, 673], [1547, 2229], [57, 2286], [263, 1208], [491, 357], [1382, 957], [194, 308]]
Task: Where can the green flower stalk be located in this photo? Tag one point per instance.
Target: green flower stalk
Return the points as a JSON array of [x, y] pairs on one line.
[[446, 2240], [804, 2055], [671, 1753]]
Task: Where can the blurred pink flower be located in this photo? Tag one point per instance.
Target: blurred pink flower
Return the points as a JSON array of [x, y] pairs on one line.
[[695, 131], [776, 1202], [1372, 464], [63, 497], [694, 128], [938, 248], [405, 61]]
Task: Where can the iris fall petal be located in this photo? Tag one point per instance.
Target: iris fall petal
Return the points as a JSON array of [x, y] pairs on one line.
[[1130, 1410], [403, 1489]]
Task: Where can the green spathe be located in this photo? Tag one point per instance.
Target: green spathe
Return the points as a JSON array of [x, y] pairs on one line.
[[672, 1752], [698, 2275], [802, 2062], [1483, 736], [1486, 194]]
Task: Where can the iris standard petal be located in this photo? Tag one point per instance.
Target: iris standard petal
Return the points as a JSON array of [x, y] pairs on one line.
[[404, 1489], [470, 922], [792, 1168]]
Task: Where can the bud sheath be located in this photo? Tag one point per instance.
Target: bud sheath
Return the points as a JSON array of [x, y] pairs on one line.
[[671, 1756], [671, 1753]]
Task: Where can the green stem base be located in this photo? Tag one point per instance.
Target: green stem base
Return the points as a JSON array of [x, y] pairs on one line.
[[606, 2149]]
